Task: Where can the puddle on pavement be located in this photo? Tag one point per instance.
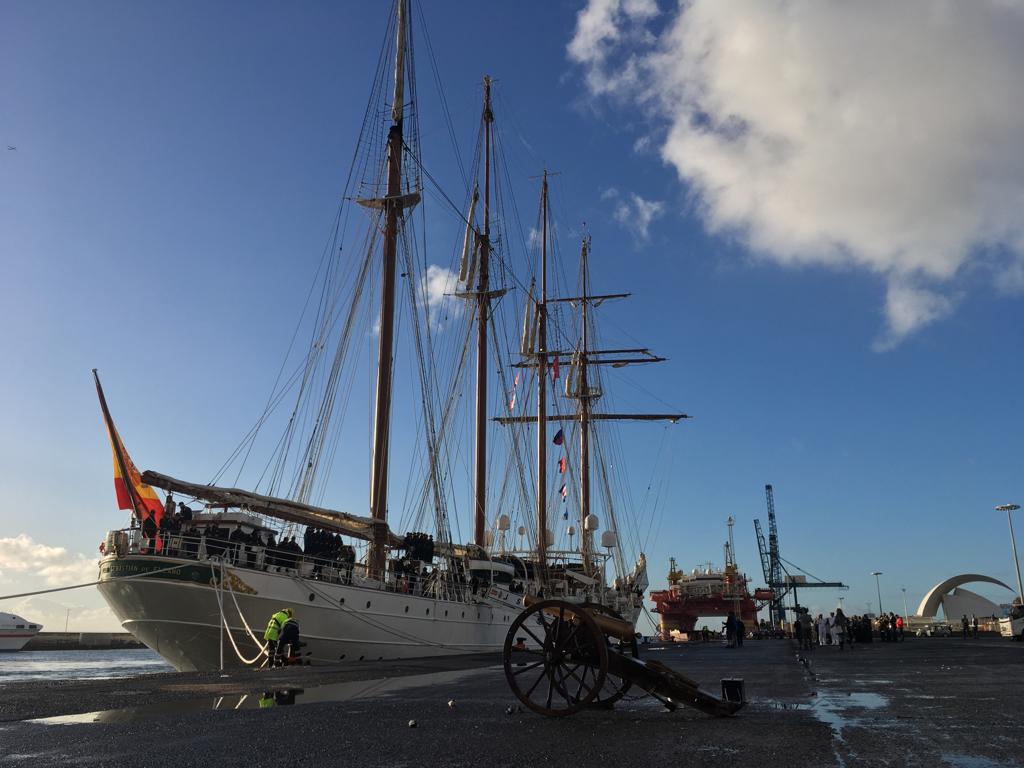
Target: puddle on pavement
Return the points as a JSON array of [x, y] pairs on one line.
[[271, 697], [834, 709]]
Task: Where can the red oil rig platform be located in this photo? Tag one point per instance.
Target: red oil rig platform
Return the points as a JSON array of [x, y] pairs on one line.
[[706, 591]]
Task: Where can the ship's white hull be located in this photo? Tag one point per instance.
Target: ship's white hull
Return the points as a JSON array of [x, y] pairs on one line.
[[178, 615], [15, 640]]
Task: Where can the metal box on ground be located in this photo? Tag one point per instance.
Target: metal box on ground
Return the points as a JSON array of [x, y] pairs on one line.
[[733, 690]]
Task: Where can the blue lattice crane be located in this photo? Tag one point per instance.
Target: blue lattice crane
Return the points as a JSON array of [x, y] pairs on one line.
[[776, 576]]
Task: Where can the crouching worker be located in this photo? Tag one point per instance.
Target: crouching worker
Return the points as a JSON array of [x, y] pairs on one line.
[[289, 644], [272, 634]]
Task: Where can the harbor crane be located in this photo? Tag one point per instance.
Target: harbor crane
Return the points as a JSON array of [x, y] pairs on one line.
[[773, 565]]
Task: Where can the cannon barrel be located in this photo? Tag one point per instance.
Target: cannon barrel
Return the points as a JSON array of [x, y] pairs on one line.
[[618, 628]]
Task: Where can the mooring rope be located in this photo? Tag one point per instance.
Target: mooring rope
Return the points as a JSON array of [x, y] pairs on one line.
[[93, 583], [218, 586]]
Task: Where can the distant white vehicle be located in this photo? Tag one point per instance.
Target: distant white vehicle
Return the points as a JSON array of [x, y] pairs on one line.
[[1012, 628], [15, 632]]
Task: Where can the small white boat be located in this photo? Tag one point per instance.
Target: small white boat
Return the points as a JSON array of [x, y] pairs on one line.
[[15, 632]]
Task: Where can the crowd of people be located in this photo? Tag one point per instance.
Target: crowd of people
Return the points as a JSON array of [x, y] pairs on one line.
[[845, 631], [177, 535], [834, 629], [890, 628]]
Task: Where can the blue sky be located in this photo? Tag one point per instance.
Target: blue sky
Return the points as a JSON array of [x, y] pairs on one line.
[[176, 176]]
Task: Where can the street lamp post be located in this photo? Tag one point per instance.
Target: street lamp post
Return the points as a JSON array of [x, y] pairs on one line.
[[906, 617], [878, 587], [1008, 508]]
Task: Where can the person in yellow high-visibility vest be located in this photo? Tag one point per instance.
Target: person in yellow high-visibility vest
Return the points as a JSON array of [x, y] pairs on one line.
[[272, 634]]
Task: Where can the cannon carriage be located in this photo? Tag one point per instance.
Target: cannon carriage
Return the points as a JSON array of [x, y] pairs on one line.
[[561, 658]]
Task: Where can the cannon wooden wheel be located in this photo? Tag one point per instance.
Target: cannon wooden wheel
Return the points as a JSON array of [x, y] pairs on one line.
[[561, 664], [614, 687]]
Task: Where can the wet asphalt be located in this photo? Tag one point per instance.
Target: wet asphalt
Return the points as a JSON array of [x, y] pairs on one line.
[[925, 702]]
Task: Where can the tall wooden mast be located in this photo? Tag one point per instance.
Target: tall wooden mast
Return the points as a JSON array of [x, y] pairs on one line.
[[482, 312], [583, 392], [542, 385], [581, 360], [392, 205]]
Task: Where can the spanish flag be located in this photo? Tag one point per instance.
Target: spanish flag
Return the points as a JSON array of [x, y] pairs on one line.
[[131, 492]]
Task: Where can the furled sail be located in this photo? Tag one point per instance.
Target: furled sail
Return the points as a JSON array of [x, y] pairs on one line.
[[283, 509], [467, 265], [528, 344], [571, 375]]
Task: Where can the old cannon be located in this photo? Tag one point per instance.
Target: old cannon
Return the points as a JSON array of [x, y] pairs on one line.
[[562, 657]]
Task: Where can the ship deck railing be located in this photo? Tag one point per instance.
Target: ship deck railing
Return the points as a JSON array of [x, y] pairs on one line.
[[256, 557]]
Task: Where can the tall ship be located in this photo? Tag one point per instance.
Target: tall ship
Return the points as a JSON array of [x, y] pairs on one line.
[[705, 591], [202, 565]]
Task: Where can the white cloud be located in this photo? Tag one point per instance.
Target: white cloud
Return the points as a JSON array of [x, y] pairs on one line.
[[634, 212], [907, 308], [436, 288], [603, 23], [55, 565], [879, 135]]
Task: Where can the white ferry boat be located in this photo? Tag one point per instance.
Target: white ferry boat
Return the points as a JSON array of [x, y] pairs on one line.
[[15, 632]]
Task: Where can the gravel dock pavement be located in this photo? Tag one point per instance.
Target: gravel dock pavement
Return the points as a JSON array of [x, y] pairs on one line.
[[924, 702]]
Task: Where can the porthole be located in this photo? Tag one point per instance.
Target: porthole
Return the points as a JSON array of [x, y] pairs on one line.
[[312, 597], [341, 601], [407, 609], [361, 658], [342, 657], [463, 614], [428, 611], [367, 603], [446, 614]]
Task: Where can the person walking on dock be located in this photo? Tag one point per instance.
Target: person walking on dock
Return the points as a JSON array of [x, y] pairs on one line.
[[822, 629], [963, 625], [730, 630], [839, 628]]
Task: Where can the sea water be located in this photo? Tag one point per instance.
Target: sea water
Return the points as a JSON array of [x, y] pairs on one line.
[[21, 666]]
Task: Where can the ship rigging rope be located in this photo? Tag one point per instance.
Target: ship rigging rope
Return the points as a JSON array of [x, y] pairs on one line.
[[330, 273], [338, 235]]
